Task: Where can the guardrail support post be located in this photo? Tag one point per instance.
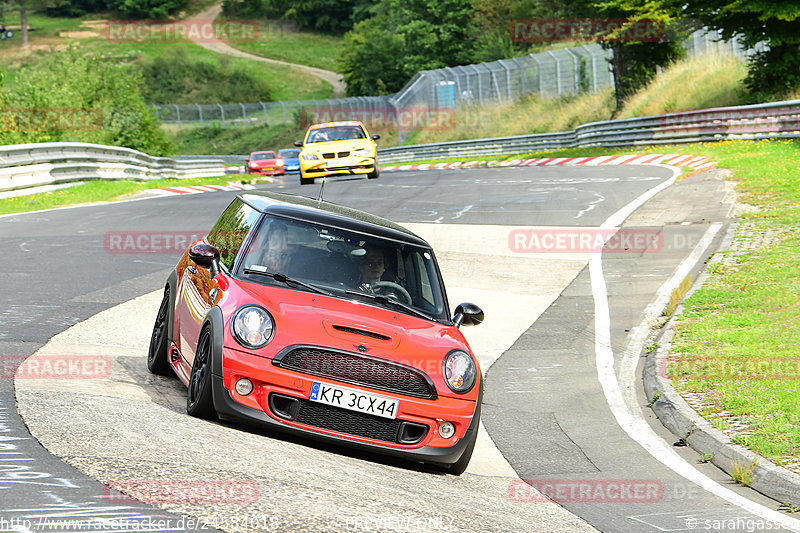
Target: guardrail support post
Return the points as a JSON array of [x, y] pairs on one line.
[[178, 114], [222, 114], [200, 112]]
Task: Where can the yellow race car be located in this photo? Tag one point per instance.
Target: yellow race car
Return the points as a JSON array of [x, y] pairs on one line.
[[336, 149]]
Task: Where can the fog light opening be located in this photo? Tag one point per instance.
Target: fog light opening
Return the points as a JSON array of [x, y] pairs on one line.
[[447, 430], [244, 386]]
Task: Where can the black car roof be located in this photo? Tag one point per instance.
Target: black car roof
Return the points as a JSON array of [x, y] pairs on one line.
[[329, 214]]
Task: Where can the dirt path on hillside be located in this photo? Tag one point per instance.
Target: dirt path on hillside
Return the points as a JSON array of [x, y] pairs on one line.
[[213, 12]]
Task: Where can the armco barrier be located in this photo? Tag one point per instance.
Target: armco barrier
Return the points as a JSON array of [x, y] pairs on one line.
[[761, 121], [29, 165]]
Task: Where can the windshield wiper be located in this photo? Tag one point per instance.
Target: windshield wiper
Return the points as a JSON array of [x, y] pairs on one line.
[[283, 278], [381, 299]]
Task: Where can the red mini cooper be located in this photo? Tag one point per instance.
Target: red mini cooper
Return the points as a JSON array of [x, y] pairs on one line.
[[324, 321]]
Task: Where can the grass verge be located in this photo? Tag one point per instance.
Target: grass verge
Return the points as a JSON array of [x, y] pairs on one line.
[[93, 192], [278, 41]]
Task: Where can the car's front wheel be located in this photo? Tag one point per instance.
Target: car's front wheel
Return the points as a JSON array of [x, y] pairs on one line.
[[157, 354], [199, 398], [460, 466], [304, 180], [376, 171]]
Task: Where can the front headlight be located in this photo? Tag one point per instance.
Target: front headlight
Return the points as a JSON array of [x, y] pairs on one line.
[[363, 152], [252, 326], [309, 157], [460, 371]]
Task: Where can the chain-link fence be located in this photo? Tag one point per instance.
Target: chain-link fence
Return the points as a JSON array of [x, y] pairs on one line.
[[432, 94]]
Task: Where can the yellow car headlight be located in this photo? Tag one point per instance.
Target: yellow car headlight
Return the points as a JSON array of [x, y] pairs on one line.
[[363, 152]]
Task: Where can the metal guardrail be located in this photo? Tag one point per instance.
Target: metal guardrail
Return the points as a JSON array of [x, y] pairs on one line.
[[30, 165], [761, 121]]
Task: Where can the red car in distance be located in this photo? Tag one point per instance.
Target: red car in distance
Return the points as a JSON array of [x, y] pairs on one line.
[[312, 318], [265, 163]]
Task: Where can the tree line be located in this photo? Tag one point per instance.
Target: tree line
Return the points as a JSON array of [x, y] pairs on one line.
[[388, 41]]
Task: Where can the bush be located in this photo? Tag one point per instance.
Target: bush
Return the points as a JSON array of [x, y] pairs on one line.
[[175, 78], [66, 96]]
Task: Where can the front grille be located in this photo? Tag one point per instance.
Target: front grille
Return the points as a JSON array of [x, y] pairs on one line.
[[329, 155], [350, 422], [343, 154], [358, 369]]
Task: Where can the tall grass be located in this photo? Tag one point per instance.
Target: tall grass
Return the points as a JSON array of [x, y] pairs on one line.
[[701, 82], [694, 83], [529, 114]]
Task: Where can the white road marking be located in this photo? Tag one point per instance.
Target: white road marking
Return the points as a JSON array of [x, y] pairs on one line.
[[635, 426]]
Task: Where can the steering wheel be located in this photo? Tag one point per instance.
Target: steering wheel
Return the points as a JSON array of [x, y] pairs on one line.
[[391, 289]]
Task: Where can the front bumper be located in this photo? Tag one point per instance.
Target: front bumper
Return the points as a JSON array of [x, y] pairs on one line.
[[270, 171], [334, 167], [272, 380]]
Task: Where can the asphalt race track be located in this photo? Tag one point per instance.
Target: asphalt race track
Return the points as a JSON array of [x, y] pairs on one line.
[[560, 349]]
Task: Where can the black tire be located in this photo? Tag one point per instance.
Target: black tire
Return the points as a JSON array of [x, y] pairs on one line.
[[158, 353], [376, 172], [306, 181], [199, 397]]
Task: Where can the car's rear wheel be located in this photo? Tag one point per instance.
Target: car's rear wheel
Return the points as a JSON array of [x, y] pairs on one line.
[[199, 398], [157, 354]]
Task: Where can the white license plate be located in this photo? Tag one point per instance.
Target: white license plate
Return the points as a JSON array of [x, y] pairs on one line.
[[353, 399]]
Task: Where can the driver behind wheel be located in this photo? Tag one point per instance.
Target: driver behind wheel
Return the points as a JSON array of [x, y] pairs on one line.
[[372, 267]]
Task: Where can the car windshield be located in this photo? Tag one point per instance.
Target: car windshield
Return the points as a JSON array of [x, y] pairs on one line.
[[262, 156], [289, 154], [335, 133], [345, 264]]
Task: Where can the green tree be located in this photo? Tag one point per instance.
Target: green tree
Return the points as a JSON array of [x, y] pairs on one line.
[[402, 38], [775, 23], [329, 16], [371, 57]]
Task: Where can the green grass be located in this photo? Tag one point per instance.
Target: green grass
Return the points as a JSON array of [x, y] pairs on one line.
[[285, 83], [737, 340], [92, 192], [277, 41], [233, 141]]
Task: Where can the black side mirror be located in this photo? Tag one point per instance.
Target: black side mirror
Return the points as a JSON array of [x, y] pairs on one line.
[[468, 314], [298, 143], [206, 256], [375, 137]]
